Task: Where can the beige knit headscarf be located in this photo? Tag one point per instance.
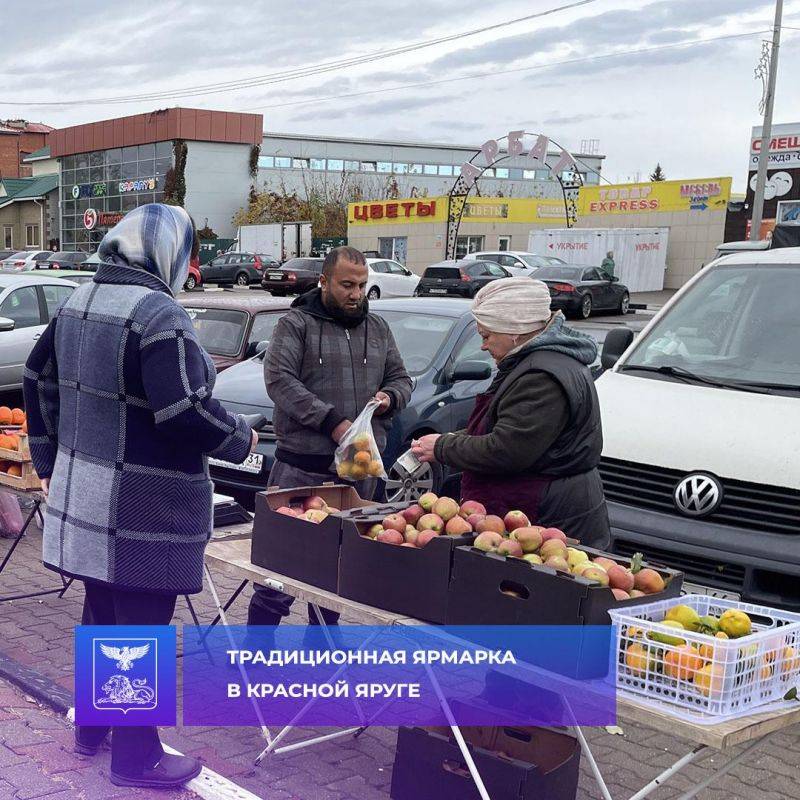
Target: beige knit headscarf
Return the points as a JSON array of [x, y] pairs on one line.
[[512, 305]]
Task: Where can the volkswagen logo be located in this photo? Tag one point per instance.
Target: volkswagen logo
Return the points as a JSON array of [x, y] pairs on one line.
[[698, 495]]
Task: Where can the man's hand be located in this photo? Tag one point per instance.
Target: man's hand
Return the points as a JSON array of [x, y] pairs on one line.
[[340, 430], [253, 440], [45, 486], [385, 403], [423, 447]]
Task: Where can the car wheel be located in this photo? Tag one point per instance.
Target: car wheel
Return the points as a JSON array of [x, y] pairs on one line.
[[585, 310], [190, 283], [624, 303], [403, 486], [374, 293], [276, 293], [242, 279]]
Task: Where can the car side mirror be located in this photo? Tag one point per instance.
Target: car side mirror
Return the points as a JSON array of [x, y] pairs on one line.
[[7, 324], [615, 344], [261, 347], [471, 371]]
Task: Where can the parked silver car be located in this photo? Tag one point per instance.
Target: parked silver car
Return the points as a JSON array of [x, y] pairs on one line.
[[27, 303], [24, 260]]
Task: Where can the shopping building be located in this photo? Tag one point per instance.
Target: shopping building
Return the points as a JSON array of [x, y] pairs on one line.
[[364, 169], [200, 159]]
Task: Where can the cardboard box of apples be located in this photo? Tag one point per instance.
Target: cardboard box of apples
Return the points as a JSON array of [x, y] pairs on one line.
[[401, 561], [297, 532]]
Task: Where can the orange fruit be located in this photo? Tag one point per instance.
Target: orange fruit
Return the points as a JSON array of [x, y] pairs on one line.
[[5, 415], [362, 457], [17, 416], [15, 469], [13, 441], [5, 441], [375, 468], [682, 663]]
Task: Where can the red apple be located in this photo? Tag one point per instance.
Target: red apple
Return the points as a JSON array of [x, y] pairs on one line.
[[516, 519], [620, 578], [457, 526], [508, 547], [620, 594], [413, 513], [390, 537], [553, 533], [408, 544], [425, 537], [530, 538], [314, 502], [491, 523], [395, 522], [431, 522], [474, 519], [470, 507], [605, 563], [289, 512]]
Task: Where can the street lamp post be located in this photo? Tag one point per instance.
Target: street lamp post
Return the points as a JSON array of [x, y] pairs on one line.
[[766, 129]]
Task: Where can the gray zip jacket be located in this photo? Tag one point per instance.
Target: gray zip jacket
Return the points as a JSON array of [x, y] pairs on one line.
[[320, 371]]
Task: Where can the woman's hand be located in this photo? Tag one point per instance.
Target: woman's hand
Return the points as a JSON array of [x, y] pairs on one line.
[[253, 440], [45, 486], [423, 448]]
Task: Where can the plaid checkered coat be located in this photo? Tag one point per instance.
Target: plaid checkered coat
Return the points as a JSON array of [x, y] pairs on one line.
[[121, 418]]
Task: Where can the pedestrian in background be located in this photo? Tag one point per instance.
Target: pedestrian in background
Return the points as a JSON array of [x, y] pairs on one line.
[[121, 416], [608, 264], [329, 356]]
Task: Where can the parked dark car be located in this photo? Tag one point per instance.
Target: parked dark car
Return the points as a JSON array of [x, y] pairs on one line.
[[440, 346], [459, 278], [230, 325], [578, 290], [65, 259], [295, 276], [241, 269]]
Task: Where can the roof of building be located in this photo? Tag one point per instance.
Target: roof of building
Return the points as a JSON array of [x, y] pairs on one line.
[[18, 189], [392, 143], [38, 155], [18, 126]]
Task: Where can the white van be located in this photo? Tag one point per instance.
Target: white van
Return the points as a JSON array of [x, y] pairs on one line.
[[701, 422]]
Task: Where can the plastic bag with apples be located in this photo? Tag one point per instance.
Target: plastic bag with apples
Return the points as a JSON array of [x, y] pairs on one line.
[[357, 457]]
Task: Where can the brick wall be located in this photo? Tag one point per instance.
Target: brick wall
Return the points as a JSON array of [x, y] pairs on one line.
[[11, 146]]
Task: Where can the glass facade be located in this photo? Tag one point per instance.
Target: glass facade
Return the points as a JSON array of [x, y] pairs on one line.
[[111, 182]]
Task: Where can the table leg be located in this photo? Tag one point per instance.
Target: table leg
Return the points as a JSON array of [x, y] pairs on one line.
[[598, 776], [669, 772], [213, 589], [18, 537], [724, 769], [197, 624]]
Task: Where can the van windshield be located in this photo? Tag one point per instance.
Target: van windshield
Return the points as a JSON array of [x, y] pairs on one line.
[[738, 325]]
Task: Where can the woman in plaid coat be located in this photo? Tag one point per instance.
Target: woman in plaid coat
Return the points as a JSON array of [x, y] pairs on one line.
[[121, 419]]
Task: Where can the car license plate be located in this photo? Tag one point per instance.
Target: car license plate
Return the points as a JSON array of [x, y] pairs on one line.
[[438, 291], [275, 276], [709, 591], [253, 463]]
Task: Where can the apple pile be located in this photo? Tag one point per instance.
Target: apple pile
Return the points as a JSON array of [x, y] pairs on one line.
[[516, 537], [433, 516], [314, 509]]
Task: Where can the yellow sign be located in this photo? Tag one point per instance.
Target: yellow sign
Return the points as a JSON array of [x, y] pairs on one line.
[[434, 209], [704, 194]]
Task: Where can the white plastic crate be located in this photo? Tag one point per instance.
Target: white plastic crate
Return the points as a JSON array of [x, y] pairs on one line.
[[727, 678]]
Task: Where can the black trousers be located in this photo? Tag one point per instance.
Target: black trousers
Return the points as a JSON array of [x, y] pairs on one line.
[[133, 748], [269, 606]]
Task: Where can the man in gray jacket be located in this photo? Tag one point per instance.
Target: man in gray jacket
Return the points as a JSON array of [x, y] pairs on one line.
[[327, 359]]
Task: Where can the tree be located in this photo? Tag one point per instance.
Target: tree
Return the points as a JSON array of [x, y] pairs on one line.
[[658, 174]]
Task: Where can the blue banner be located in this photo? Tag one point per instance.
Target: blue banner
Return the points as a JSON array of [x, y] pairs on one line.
[[399, 675]]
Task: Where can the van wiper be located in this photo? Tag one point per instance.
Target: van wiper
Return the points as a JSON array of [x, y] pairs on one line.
[[691, 377]]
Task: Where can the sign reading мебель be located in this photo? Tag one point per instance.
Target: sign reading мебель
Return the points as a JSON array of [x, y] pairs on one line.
[[400, 675], [434, 209], [704, 194], [125, 675]]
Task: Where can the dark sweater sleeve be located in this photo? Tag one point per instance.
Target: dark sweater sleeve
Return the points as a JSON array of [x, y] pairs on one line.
[[530, 417]]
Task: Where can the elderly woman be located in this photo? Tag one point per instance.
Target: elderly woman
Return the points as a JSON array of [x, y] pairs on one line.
[[533, 441], [121, 419]]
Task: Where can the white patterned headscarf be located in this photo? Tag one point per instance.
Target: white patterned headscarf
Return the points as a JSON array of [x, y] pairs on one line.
[[156, 238], [512, 305]]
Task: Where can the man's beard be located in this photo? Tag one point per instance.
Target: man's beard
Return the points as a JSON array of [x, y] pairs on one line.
[[342, 314]]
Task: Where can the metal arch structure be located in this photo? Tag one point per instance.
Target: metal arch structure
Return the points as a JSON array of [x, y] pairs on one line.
[[462, 188]]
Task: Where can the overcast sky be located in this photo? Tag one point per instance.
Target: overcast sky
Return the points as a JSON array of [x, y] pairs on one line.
[[689, 107]]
